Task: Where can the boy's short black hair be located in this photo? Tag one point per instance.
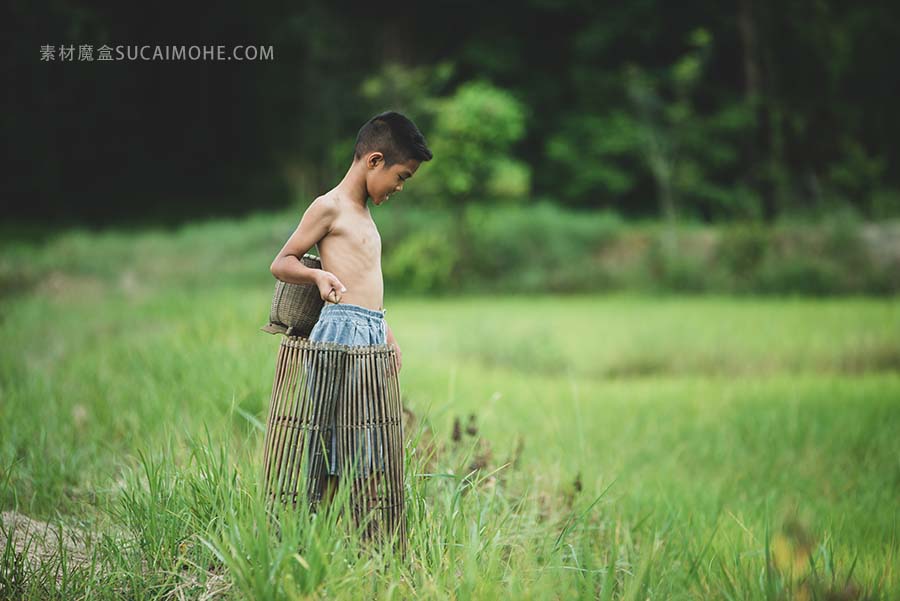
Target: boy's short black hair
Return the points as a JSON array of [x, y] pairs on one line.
[[393, 135]]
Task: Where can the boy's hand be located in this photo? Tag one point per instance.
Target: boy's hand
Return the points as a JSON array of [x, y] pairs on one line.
[[392, 342], [330, 288], [398, 354]]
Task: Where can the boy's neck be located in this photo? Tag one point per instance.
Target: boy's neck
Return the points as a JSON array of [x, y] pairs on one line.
[[353, 186]]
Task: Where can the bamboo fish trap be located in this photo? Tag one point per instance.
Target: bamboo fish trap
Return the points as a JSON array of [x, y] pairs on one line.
[[295, 307], [338, 405]]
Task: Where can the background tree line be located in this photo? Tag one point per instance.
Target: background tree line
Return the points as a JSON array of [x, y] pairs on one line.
[[707, 111]]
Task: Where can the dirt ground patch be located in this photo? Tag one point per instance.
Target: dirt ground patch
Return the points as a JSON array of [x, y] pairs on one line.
[[40, 541], [37, 544]]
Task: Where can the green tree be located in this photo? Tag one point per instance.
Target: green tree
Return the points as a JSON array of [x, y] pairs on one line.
[[682, 147], [473, 132]]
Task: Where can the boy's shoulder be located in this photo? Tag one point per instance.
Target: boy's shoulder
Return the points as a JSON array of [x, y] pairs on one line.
[[324, 208], [326, 202], [333, 214]]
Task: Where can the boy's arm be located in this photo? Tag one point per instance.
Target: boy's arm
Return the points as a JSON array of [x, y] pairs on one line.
[[287, 267]]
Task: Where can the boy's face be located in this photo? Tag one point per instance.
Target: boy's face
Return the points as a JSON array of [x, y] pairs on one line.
[[382, 181]]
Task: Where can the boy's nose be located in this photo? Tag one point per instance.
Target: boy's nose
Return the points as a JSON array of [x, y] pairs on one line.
[[399, 187]]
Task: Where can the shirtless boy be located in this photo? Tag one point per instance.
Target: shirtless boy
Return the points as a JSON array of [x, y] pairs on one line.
[[389, 149]]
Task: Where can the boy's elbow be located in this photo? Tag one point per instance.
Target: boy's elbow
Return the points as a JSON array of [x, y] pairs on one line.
[[275, 268]]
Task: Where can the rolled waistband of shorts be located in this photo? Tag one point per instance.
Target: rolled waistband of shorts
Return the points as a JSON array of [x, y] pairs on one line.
[[348, 309]]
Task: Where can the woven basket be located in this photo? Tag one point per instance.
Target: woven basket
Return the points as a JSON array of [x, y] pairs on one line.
[[295, 307]]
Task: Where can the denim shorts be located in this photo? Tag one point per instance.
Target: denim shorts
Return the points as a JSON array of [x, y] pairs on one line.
[[351, 325]]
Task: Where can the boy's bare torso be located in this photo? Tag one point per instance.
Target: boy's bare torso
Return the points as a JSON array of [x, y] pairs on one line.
[[351, 250]]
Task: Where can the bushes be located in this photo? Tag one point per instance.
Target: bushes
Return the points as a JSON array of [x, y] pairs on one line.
[[831, 258], [483, 248], [544, 248], [423, 261], [534, 248], [827, 259], [742, 250]]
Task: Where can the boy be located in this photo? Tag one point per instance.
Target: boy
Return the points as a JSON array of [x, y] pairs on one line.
[[389, 149]]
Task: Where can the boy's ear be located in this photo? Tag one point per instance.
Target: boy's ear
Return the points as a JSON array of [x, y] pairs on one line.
[[374, 159]]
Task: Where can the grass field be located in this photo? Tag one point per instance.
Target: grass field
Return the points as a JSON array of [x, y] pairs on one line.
[[626, 447]]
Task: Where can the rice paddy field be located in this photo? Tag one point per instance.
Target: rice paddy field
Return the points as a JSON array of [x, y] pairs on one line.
[[557, 447]]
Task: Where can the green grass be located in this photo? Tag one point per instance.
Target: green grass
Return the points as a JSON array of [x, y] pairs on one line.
[[630, 447]]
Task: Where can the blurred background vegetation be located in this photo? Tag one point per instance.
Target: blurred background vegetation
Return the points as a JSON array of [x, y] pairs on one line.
[[748, 146]]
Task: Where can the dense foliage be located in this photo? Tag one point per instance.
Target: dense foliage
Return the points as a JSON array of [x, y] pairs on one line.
[[744, 110]]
